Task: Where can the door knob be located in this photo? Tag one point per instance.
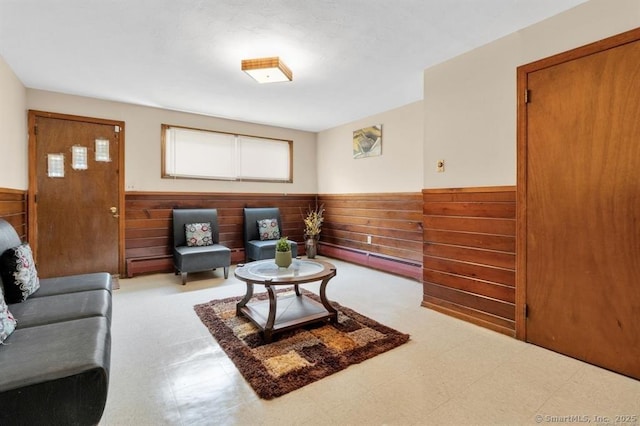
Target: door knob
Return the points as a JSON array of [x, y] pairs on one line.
[[114, 211]]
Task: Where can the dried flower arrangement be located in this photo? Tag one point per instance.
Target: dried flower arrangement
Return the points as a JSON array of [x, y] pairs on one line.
[[313, 221]]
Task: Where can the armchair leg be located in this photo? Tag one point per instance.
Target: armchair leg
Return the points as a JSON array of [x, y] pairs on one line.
[[226, 272], [184, 278]]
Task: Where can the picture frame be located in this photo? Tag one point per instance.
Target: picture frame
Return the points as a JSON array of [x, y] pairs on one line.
[[367, 142]]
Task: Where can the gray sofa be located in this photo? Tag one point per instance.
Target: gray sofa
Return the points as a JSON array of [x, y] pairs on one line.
[[54, 367]]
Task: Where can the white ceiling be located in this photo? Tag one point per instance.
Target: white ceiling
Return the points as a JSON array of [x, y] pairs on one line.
[[350, 58]]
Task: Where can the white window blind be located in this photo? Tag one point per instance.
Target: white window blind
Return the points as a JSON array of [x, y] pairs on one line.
[[204, 154], [263, 159]]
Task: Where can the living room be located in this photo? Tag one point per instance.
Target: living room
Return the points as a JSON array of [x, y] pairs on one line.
[[466, 115]]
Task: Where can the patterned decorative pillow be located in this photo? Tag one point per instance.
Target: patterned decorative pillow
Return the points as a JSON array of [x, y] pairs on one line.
[[19, 273], [268, 229], [7, 321], [198, 234]]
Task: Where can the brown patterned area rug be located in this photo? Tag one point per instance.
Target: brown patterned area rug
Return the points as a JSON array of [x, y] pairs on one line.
[[299, 357]]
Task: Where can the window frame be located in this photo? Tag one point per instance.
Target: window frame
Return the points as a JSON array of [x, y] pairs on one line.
[[165, 174]]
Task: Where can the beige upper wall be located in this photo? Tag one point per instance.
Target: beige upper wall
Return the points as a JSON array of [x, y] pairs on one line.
[[470, 101], [142, 144], [398, 169], [13, 130]]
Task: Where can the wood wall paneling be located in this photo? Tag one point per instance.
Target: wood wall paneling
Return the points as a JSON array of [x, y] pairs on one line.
[[468, 260], [469, 254], [459, 243], [392, 220], [148, 226], [13, 209]]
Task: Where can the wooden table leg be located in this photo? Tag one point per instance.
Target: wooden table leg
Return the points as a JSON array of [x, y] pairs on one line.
[[271, 319], [248, 295], [325, 302]]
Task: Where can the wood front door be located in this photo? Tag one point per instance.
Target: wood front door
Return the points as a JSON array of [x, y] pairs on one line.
[[75, 194], [582, 188]]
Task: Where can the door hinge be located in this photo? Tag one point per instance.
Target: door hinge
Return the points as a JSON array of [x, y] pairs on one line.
[[35, 198], [35, 130], [527, 95], [526, 310], [117, 129]]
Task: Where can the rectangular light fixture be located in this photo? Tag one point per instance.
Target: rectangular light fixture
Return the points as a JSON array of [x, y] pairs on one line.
[[267, 70]]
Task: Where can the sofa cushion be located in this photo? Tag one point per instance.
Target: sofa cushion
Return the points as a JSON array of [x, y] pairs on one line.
[[64, 307], [193, 259], [7, 321], [73, 284], [198, 234], [56, 374], [19, 275], [268, 229]]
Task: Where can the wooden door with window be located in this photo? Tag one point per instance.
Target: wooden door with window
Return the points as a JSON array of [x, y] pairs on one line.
[[582, 200], [75, 190]]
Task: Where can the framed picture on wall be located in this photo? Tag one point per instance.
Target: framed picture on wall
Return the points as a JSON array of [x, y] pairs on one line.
[[367, 142]]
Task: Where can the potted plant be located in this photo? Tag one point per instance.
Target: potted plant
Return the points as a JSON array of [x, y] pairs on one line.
[[312, 227], [283, 253]]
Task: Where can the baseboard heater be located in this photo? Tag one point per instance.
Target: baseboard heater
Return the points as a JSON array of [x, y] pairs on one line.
[[141, 265], [393, 265]]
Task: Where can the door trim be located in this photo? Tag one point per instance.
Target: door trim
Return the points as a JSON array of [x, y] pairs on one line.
[[521, 185], [32, 210]]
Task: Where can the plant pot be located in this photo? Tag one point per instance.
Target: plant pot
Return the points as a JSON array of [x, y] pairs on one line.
[[283, 258], [311, 247]]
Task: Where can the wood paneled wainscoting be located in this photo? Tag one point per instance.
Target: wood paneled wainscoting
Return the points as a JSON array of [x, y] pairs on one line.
[[469, 254], [381, 231], [148, 225], [13, 209]]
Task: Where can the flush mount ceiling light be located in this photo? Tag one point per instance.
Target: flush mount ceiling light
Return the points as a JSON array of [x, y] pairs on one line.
[[267, 70]]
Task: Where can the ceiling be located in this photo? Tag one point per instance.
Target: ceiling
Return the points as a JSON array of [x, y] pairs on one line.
[[350, 58]]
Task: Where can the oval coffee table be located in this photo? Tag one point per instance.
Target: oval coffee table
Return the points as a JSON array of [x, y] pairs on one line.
[[278, 314]]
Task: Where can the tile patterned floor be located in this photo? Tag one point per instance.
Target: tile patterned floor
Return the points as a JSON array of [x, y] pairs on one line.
[[166, 369]]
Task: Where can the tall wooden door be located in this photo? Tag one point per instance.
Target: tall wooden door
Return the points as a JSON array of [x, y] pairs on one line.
[[75, 189], [583, 208]]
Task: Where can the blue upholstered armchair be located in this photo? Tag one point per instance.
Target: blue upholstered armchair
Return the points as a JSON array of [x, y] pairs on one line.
[[196, 242], [256, 248]]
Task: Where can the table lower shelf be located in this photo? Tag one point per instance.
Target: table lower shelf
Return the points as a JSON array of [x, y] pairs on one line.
[[291, 312]]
